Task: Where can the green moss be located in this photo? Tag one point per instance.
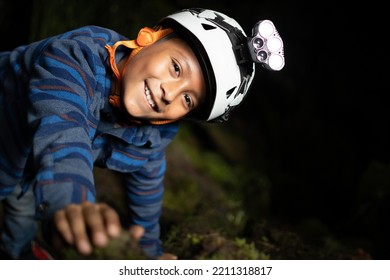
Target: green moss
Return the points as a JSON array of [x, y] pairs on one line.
[[183, 197], [120, 248]]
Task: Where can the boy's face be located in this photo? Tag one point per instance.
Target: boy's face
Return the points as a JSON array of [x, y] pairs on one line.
[[164, 81]]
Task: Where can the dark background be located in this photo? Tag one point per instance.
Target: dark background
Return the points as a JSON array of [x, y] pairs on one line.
[[318, 130]]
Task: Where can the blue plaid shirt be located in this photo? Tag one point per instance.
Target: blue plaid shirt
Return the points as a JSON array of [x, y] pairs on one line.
[[56, 125]]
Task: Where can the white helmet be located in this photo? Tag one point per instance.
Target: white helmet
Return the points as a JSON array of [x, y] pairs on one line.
[[226, 56]]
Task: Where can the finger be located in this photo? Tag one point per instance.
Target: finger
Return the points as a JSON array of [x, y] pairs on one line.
[[111, 220], [95, 223], [136, 232], [167, 256], [77, 224], [62, 226]]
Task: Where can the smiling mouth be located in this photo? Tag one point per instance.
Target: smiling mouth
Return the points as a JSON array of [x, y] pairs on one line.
[[149, 98]]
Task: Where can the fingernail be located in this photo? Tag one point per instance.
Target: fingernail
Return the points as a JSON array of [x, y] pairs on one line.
[[113, 230], [84, 247], [100, 239]]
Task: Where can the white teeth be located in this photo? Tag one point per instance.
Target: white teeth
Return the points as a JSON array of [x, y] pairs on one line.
[[149, 97]]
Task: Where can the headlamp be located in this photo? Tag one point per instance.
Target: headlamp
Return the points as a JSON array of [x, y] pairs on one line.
[[266, 45]]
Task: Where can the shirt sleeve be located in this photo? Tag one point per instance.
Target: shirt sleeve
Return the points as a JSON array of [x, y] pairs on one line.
[[145, 192], [60, 91]]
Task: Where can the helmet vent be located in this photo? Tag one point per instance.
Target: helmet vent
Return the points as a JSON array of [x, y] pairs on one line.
[[229, 92], [207, 26]]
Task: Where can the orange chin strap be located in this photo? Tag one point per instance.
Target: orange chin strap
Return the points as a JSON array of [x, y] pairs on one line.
[[145, 37]]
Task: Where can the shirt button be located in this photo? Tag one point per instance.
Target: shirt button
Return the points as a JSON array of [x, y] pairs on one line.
[[106, 116], [43, 207]]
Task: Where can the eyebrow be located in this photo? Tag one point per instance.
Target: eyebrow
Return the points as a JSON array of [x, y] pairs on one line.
[[196, 102], [184, 58], [187, 64]]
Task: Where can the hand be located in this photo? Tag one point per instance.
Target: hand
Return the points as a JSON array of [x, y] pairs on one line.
[[87, 225], [168, 256], [137, 232]]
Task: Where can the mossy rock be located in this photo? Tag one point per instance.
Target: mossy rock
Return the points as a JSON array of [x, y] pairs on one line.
[[122, 247]]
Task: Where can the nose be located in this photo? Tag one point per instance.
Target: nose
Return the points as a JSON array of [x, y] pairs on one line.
[[170, 90]]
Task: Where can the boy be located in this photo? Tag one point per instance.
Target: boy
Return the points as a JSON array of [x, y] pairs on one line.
[[91, 97]]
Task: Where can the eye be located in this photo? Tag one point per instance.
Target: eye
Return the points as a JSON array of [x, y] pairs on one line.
[[176, 68], [188, 100]]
